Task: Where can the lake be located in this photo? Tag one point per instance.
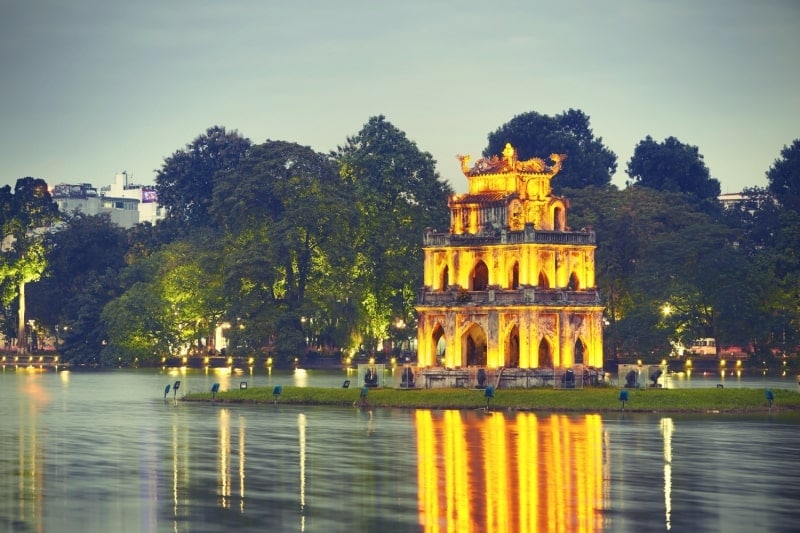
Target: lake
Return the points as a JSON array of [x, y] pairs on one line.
[[106, 451]]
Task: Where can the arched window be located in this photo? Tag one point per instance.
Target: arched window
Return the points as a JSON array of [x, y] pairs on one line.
[[545, 355], [512, 348], [480, 277], [557, 225], [543, 282], [579, 349], [444, 280], [573, 284], [514, 281], [439, 342], [475, 346]]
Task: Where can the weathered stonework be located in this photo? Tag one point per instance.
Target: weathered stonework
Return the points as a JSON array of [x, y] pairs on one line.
[[510, 285]]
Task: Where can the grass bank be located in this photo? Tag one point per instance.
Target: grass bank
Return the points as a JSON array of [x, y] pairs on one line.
[[594, 399]]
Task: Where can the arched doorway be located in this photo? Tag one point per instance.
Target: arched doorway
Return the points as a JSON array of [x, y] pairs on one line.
[[512, 348], [580, 348], [545, 354], [557, 224], [474, 343], [480, 277]]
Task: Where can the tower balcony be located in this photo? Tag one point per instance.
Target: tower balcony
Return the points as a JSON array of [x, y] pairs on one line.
[[500, 297]]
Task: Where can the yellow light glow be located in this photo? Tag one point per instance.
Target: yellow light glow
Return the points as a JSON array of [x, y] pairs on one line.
[[531, 495]]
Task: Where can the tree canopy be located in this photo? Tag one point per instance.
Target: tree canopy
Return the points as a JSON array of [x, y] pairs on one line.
[[672, 166], [398, 194], [24, 216], [784, 177], [84, 260], [589, 162], [185, 183]]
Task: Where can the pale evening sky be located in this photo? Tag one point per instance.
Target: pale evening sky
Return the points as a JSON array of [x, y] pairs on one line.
[[90, 88]]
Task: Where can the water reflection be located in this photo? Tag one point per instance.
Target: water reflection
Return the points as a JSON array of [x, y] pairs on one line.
[[483, 472], [105, 452]]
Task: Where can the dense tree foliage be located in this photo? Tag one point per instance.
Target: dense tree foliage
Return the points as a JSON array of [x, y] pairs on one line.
[[588, 163], [23, 217], [399, 194], [174, 300], [288, 218], [185, 183], [84, 261], [672, 166], [784, 177]]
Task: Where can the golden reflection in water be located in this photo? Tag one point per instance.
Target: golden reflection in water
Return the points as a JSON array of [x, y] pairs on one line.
[[667, 428], [224, 458], [301, 429], [241, 463], [532, 475]]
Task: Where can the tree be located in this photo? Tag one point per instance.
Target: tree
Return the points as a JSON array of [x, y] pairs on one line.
[[627, 223], [784, 177], [185, 183], [288, 218], [672, 166], [399, 195], [588, 161], [173, 302], [84, 258], [25, 215]]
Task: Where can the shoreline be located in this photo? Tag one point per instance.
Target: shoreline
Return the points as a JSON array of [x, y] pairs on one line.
[[585, 400]]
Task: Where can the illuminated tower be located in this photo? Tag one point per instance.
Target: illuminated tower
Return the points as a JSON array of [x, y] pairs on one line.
[[510, 285]]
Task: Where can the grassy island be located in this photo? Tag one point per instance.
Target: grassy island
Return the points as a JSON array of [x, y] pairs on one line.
[[592, 399]]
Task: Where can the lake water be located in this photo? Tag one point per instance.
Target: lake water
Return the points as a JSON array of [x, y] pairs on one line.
[[106, 451]]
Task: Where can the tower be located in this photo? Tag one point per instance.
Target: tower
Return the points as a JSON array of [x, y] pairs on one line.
[[510, 285]]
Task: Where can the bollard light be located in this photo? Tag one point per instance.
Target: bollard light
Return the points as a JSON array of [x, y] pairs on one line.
[[488, 392], [623, 397], [276, 391]]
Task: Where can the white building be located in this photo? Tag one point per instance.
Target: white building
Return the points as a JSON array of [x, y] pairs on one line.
[[127, 203]]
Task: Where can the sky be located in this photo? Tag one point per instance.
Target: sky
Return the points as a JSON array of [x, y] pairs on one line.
[[90, 88]]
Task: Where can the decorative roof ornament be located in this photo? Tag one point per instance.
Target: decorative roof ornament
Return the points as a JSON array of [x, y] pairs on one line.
[[510, 163]]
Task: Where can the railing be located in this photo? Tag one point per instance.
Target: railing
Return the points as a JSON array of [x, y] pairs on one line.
[[510, 237], [508, 297]]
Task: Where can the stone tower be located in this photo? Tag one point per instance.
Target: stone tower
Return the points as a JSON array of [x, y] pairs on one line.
[[510, 286]]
